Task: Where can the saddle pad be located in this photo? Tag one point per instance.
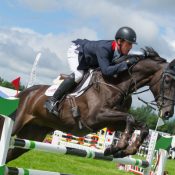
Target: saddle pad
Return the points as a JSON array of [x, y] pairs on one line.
[[50, 91], [83, 87]]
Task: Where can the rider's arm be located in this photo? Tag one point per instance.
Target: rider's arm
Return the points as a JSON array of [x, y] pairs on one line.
[[105, 64]]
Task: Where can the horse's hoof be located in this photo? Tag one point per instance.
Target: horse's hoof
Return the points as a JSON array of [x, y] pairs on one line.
[[131, 150], [111, 150], [107, 152], [119, 154], [121, 145]]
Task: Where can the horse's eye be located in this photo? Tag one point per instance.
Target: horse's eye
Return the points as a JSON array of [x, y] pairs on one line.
[[167, 80]]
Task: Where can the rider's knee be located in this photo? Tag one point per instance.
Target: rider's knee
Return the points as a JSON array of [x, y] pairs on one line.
[[78, 75]]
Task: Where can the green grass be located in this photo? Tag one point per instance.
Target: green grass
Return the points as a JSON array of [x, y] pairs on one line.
[[170, 166], [66, 164], [72, 164]]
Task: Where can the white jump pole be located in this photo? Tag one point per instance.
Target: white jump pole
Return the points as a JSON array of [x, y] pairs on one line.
[[29, 144], [162, 162], [24, 171], [5, 142], [151, 149]]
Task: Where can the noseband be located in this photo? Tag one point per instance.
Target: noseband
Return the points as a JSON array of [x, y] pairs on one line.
[[171, 74], [161, 95]]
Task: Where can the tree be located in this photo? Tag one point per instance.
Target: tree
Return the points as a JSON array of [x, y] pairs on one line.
[[7, 84], [169, 127], [147, 115]]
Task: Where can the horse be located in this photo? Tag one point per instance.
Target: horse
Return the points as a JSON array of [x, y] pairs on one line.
[[105, 103]]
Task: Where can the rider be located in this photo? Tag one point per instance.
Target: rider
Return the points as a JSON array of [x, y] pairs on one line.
[[85, 54]]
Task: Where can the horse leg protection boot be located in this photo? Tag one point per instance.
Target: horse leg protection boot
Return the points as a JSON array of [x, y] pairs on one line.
[[65, 87]]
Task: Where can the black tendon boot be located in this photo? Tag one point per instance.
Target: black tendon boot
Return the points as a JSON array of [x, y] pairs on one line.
[[65, 87]]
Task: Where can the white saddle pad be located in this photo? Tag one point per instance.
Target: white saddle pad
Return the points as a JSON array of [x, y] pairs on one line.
[[56, 83], [51, 90]]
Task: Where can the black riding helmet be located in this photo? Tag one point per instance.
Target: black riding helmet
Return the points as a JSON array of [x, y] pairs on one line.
[[127, 34]]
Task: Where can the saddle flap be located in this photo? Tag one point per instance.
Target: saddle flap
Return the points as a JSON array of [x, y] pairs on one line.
[[83, 85]]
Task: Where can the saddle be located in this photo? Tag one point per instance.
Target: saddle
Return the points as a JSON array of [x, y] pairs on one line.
[[83, 85], [78, 87]]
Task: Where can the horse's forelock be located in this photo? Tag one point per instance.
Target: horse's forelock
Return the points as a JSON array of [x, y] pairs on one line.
[[150, 50]]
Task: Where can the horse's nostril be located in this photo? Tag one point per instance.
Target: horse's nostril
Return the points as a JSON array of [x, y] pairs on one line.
[[167, 115]]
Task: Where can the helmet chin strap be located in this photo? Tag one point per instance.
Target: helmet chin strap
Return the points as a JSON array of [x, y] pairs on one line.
[[118, 46]]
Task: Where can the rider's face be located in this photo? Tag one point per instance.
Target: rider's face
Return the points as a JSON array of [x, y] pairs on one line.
[[125, 47]]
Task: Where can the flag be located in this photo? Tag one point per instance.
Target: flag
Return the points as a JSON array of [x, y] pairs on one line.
[[160, 122], [16, 84], [8, 106], [3, 95]]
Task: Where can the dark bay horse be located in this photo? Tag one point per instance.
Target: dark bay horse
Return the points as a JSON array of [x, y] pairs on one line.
[[104, 104]]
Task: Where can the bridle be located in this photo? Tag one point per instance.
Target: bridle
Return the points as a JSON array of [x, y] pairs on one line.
[[165, 73], [161, 95]]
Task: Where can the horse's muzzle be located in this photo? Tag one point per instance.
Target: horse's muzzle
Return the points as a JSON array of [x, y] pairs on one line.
[[167, 114]]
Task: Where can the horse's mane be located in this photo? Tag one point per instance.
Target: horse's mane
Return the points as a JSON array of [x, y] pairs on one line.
[[153, 54]]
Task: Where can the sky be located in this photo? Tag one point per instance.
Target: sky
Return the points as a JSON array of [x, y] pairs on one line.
[[28, 27]]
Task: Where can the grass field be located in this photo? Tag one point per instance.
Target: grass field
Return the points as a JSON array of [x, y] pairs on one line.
[[72, 164]]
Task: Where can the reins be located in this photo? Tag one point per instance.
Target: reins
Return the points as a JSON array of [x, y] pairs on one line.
[[161, 95]]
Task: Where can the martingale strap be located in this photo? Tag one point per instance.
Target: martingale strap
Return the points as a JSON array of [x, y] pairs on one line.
[[75, 110]]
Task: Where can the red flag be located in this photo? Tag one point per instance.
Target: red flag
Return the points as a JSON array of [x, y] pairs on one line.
[[16, 83]]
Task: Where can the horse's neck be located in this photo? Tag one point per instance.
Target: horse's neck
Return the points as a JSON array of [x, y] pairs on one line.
[[145, 75]]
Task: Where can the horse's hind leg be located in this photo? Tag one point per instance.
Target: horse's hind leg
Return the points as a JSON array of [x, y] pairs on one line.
[[31, 132]]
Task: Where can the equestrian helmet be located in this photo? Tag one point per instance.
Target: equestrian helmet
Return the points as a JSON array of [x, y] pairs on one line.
[[127, 34]]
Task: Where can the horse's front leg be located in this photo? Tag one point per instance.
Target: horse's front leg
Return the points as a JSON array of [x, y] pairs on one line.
[[126, 135], [122, 144], [116, 120]]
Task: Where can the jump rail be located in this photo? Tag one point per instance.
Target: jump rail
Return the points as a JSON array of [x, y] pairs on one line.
[[29, 144]]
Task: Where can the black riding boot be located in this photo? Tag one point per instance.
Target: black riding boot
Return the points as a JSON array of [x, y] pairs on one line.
[[65, 87]]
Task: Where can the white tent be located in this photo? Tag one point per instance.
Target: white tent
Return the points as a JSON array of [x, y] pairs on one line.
[[7, 92]]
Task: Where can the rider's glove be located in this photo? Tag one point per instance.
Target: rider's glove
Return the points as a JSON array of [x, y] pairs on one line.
[[131, 61]]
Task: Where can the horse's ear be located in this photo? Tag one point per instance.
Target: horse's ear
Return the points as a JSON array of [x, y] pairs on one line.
[[172, 65]]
